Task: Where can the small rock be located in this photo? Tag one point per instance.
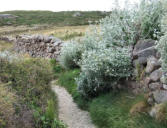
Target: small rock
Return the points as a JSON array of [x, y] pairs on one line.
[[47, 39], [156, 75], [147, 80], [150, 101], [158, 55]]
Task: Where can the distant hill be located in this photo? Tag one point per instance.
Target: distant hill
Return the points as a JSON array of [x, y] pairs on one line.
[[64, 18]]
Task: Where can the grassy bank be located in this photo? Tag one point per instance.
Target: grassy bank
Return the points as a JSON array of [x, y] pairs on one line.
[[34, 104], [111, 110], [52, 18]]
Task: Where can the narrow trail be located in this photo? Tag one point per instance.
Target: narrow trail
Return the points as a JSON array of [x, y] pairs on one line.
[[69, 113]]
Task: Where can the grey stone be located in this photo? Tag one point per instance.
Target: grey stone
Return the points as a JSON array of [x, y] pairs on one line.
[[152, 64], [47, 39], [154, 86], [7, 16], [160, 96], [54, 39], [147, 80], [77, 14], [38, 46], [142, 60], [148, 52], [156, 75], [141, 45]]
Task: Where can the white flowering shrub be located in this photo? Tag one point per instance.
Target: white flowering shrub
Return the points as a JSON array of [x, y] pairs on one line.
[[164, 18], [70, 55], [106, 57], [148, 18], [118, 29], [162, 48], [102, 69]]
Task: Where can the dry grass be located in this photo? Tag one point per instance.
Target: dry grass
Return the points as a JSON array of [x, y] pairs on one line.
[[46, 30], [14, 30], [64, 33], [5, 45], [7, 100]]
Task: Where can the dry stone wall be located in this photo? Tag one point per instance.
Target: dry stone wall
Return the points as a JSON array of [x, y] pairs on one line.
[[147, 58], [38, 45]]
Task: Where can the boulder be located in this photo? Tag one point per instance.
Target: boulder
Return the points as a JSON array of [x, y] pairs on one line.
[[142, 60], [152, 64], [141, 45], [7, 16], [77, 14], [160, 96], [148, 52], [156, 75]]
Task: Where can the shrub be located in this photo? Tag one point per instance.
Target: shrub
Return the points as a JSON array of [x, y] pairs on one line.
[[30, 79], [105, 57], [118, 29], [102, 69], [70, 55], [162, 48], [148, 18], [164, 18]]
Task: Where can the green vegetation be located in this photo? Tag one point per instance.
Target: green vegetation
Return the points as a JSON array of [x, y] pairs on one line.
[[104, 60], [110, 110], [5, 45], [70, 55], [72, 35], [52, 18], [30, 79]]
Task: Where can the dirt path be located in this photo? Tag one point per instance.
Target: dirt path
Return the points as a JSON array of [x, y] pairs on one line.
[[69, 113]]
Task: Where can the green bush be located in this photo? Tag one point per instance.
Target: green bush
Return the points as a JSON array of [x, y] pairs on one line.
[[101, 70], [70, 55], [30, 78], [49, 119], [162, 48], [118, 29], [148, 18], [105, 53]]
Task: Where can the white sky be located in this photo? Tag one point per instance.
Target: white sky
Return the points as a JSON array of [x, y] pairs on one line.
[[60, 5]]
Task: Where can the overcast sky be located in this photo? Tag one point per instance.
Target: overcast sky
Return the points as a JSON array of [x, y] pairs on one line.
[[60, 5]]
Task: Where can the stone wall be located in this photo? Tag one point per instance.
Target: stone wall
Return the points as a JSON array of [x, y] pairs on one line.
[[38, 45], [147, 59]]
